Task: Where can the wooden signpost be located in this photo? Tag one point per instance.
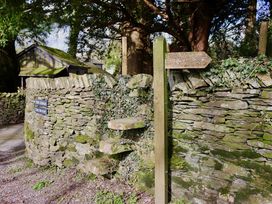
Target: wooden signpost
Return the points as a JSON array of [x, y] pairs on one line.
[[124, 56], [161, 62], [187, 60]]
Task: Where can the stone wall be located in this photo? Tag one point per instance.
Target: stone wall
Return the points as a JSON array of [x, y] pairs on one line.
[[222, 141], [80, 126], [12, 107]]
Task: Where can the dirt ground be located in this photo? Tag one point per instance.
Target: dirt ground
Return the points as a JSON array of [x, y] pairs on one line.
[[23, 182]]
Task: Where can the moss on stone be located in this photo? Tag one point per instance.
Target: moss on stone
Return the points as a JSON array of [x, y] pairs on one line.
[[184, 184], [236, 154], [145, 180], [267, 136], [218, 165], [178, 163], [83, 139], [71, 148], [70, 162], [264, 171], [29, 134], [268, 155], [244, 193], [267, 142], [188, 135], [177, 148], [62, 55], [89, 156], [224, 190]]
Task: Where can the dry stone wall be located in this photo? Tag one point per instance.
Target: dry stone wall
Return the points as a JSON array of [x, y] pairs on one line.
[[220, 139], [12, 107], [66, 124]]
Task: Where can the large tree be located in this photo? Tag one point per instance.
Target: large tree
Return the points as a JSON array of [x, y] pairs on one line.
[[19, 20]]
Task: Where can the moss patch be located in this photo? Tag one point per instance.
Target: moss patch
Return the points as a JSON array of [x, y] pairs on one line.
[[236, 154], [244, 193], [218, 165], [83, 139], [178, 163], [29, 134], [145, 180], [262, 170], [182, 183], [70, 162]]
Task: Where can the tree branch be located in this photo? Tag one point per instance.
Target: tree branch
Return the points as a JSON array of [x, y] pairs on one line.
[[156, 10]]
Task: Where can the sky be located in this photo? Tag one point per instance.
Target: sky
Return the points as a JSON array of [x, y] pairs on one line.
[[58, 39]]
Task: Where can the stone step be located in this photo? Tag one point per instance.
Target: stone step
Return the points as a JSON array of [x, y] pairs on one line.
[[99, 166], [115, 146], [126, 124]]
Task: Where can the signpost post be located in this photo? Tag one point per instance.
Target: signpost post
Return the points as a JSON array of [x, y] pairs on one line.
[[161, 62]]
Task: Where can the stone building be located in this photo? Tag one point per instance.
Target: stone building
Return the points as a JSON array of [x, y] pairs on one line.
[[41, 61]]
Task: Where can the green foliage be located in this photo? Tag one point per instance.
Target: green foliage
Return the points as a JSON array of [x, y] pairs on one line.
[[244, 193], [9, 25], [180, 201], [177, 162], [113, 57], [248, 49], [28, 163], [40, 185], [185, 184], [236, 154], [29, 134], [243, 68], [106, 197], [83, 139], [22, 18], [15, 170], [132, 199]]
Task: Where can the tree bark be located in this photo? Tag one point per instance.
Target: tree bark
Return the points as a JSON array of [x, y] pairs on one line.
[[73, 37], [9, 68], [200, 24], [75, 27], [251, 20], [139, 57]]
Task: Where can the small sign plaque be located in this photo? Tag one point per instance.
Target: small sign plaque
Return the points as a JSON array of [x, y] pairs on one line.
[[41, 106], [41, 102], [42, 111]]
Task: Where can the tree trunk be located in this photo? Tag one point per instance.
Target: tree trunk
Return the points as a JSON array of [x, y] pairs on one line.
[[139, 57], [249, 45], [251, 20], [200, 24], [73, 37], [75, 23], [9, 68]]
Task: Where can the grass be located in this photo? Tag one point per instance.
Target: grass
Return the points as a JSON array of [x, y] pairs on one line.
[[41, 184], [15, 170], [106, 197]]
